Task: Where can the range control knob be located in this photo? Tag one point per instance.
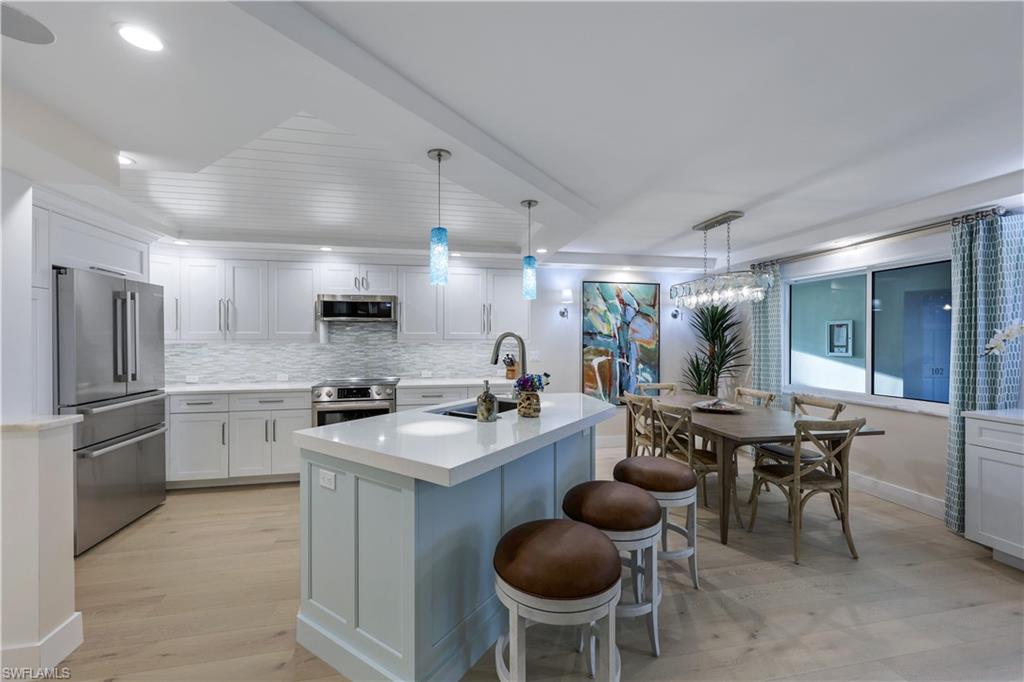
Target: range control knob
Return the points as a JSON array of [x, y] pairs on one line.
[[390, 391], [330, 393], [316, 393]]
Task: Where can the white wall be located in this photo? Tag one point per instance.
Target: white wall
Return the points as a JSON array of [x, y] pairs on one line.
[[16, 363]]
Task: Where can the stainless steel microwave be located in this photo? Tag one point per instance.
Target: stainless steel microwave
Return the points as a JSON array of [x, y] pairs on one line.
[[356, 308]]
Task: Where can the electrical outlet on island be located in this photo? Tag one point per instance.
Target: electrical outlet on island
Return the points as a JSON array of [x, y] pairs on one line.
[[191, 378], [426, 373]]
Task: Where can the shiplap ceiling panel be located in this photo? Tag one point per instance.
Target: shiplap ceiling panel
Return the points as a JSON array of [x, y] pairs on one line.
[[308, 181]]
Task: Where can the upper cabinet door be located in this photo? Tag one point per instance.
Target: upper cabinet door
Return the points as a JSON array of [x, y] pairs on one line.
[[293, 290], [420, 305], [381, 280], [339, 278], [202, 299], [465, 305], [40, 247], [245, 299], [165, 271], [508, 311]]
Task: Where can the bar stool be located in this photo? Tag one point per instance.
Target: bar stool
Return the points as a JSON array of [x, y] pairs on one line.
[[631, 519], [557, 572], [672, 484]]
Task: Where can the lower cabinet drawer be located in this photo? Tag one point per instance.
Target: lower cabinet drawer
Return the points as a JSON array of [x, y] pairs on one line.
[[199, 402], [298, 400], [992, 434], [430, 396]]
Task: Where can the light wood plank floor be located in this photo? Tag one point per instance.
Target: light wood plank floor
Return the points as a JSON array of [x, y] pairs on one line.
[[206, 588]]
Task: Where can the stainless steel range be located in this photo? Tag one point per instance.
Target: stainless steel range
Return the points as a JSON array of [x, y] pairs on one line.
[[342, 400]]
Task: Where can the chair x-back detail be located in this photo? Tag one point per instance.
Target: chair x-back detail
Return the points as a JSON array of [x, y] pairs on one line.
[[754, 396], [641, 436], [827, 471], [655, 390]]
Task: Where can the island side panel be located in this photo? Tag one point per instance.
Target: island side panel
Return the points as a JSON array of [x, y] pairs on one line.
[[357, 555], [458, 616]]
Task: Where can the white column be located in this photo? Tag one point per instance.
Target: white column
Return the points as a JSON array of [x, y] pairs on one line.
[[40, 626], [16, 395]]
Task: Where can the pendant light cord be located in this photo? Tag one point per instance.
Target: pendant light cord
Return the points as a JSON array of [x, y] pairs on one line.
[[728, 248], [529, 230], [439, 190], [705, 253]]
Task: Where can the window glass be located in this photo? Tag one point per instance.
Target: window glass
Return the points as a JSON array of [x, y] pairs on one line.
[[911, 310], [827, 343]]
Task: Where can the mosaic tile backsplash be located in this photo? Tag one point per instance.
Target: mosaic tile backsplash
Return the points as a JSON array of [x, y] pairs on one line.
[[354, 349]]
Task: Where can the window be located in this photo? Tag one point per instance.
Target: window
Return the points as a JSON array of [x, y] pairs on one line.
[[827, 333], [911, 312], [902, 353]]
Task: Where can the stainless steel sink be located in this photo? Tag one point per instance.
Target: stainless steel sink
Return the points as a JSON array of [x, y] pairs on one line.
[[468, 410]]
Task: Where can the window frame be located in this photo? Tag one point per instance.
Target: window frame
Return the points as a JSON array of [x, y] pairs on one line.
[[867, 397]]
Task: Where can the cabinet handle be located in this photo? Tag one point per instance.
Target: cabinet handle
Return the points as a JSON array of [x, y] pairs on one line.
[[199, 402], [483, 316], [432, 395], [223, 433], [276, 400], [490, 317], [227, 314], [399, 316], [275, 430], [220, 314], [355, 283], [366, 282], [266, 430]]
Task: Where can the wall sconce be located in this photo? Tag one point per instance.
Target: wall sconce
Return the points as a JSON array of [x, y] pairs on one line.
[[566, 301]]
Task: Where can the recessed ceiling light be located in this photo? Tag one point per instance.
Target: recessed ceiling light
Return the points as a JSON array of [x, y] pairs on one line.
[[180, 242], [542, 250], [125, 160], [326, 248], [142, 38], [456, 254]]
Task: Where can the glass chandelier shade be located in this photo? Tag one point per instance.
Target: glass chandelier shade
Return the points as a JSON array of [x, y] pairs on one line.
[[529, 278], [439, 255], [731, 287]]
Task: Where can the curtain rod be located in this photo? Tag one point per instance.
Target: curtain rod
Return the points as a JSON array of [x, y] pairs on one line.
[[948, 221]]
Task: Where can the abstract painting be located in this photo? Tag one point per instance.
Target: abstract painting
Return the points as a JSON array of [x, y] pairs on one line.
[[621, 338]]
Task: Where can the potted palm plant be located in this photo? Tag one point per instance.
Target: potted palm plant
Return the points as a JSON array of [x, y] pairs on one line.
[[720, 351]]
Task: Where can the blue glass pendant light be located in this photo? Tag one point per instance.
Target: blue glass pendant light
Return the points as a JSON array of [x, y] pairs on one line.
[[529, 262], [439, 234]]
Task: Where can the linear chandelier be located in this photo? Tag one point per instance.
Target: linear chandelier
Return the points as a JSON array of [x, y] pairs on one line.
[[729, 287]]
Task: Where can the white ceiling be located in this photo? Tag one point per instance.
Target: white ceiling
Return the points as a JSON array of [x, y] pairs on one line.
[[629, 121]]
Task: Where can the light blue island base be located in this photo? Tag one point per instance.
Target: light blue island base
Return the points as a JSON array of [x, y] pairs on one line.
[[397, 577]]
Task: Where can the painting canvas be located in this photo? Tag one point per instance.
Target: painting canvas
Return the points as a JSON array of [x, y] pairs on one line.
[[621, 338]]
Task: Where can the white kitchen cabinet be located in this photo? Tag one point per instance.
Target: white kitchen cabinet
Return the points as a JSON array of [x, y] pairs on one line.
[[202, 299], [285, 458], [381, 280], [465, 304], [420, 306], [197, 446], [245, 300], [166, 272], [78, 244], [250, 451], [507, 310], [293, 291], [42, 350], [40, 247], [994, 482], [339, 278]]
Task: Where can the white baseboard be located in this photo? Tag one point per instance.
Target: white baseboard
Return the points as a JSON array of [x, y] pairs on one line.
[[905, 497], [50, 650], [617, 441], [225, 482]]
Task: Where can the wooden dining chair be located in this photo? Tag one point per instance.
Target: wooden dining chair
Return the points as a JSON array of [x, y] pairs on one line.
[[753, 396], [676, 430], [803, 478], [655, 390], [641, 437], [783, 454]]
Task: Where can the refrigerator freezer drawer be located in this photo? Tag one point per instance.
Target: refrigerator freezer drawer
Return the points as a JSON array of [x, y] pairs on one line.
[[114, 418]]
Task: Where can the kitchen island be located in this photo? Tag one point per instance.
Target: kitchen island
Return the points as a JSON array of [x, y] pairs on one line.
[[400, 515]]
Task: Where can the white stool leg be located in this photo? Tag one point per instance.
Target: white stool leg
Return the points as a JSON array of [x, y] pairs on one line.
[[651, 596], [691, 540], [517, 646], [607, 671]]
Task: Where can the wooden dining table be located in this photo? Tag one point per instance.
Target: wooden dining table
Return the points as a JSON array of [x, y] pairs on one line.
[[754, 425]]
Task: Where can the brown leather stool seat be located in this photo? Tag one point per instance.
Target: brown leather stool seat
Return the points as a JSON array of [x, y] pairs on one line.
[[611, 505], [557, 559], [656, 474]]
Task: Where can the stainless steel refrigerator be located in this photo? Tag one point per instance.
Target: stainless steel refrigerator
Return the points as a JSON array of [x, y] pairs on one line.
[[109, 350]]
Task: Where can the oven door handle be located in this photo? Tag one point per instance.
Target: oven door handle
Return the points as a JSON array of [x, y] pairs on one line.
[[347, 406]]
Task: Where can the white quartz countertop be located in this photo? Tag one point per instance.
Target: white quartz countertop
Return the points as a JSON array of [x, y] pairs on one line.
[[262, 387], [43, 422], [449, 450], [1013, 415]]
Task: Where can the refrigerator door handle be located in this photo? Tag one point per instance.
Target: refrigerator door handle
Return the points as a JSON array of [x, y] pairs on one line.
[[120, 313], [133, 298]]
